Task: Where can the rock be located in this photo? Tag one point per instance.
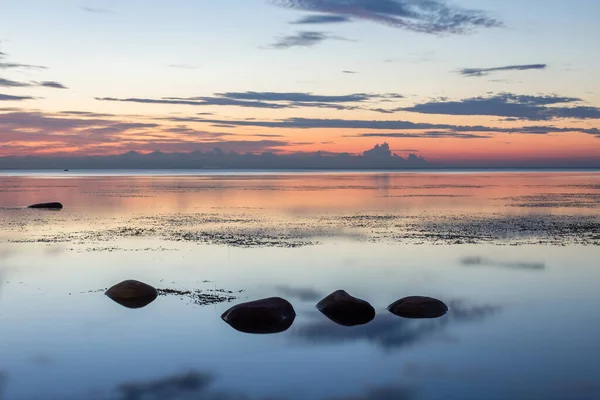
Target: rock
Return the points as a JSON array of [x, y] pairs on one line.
[[346, 310], [48, 206], [418, 307], [271, 315], [132, 294]]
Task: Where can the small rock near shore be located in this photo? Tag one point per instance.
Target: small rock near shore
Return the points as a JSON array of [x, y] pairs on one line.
[[344, 309], [132, 294], [418, 307], [270, 315], [48, 206]]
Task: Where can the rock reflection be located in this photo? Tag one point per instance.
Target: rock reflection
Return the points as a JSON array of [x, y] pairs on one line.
[[390, 332], [134, 303], [266, 316]]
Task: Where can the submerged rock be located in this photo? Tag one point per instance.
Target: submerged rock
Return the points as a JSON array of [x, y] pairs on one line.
[[418, 307], [271, 315], [48, 206], [132, 294], [346, 310]]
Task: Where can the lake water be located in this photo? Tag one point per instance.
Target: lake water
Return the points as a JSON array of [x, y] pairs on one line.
[[516, 256]]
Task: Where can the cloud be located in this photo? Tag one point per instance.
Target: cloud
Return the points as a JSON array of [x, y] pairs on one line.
[[487, 71], [9, 83], [9, 65], [303, 294], [303, 39], [422, 16], [197, 101], [481, 261], [85, 113], [96, 10], [25, 132], [425, 135], [508, 105], [317, 123], [382, 150], [272, 100], [53, 140], [349, 72], [52, 84], [304, 97], [48, 122], [321, 19], [7, 97], [267, 135], [5, 65]]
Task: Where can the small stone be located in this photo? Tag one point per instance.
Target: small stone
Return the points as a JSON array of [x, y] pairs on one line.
[[270, 315], [47, 206], [132, 294], [344, 309], [418, 307]]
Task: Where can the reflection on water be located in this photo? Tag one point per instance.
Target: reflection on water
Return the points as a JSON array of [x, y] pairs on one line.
[[391, 332], [172, 387], [302, 294], [513, 255], [198, 385], [481, 261], [307, 192]]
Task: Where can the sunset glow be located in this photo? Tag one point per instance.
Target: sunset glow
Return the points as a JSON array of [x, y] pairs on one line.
[[264, 77]]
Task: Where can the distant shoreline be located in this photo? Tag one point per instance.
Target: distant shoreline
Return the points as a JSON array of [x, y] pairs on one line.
[[257, 171]]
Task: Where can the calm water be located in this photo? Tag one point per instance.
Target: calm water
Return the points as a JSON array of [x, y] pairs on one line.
[[514, 255]]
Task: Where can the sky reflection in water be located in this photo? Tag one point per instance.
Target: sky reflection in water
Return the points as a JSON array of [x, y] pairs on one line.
[[520, 324]]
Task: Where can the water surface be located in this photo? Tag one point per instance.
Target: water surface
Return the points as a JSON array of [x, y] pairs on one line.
[[514, 255]]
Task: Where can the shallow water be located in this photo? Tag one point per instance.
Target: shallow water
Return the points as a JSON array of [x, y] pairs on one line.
[[514, 255]]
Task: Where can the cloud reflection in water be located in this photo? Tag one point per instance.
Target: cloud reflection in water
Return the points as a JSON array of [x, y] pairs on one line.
[[391, 332]]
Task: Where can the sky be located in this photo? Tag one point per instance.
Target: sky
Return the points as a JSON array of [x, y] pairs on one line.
[[455, 82]]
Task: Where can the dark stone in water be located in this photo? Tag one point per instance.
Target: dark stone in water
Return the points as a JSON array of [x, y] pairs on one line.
[[271, 315], [132, 294], [346, 310], [48, 206], [418, 307]]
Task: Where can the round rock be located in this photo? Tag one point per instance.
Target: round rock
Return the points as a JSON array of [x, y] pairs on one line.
[[344, 309], [132, 294], [418, 307], [270, 315]]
